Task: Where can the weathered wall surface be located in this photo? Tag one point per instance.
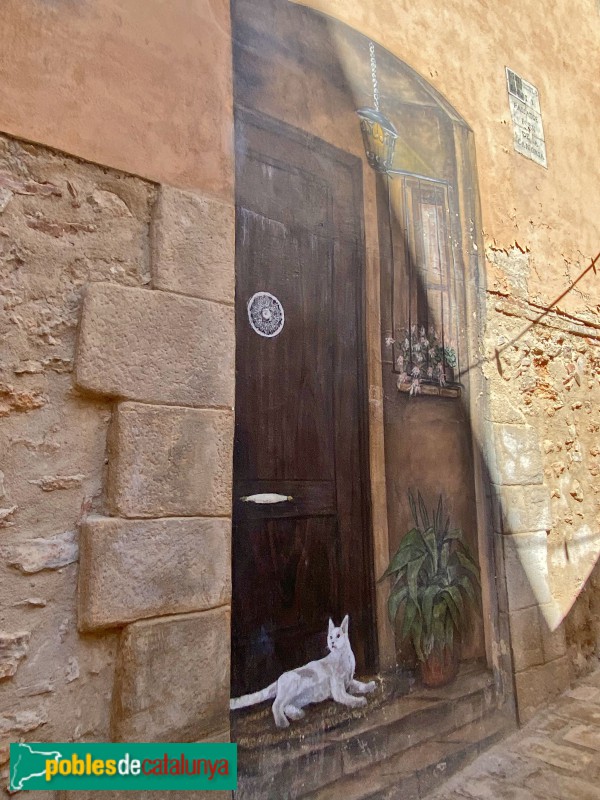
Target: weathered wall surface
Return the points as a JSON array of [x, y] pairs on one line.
[[136, 89], [63, 223], [83, 250], [143, 86], [545, 387]]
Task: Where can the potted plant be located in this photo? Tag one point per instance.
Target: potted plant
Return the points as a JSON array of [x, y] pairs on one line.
[[434, 580]]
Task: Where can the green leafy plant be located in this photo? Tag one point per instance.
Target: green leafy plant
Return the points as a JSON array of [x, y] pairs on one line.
[[435, 578]]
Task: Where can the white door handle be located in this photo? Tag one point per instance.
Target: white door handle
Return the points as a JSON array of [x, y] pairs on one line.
[[267, 497]]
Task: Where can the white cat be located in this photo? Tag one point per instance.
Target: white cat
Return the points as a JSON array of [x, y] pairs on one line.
[[332, 676]]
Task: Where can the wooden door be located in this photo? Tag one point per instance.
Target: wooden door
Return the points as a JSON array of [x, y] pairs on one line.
[[300, 406]]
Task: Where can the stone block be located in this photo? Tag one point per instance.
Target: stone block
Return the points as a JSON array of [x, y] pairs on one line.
[[526, 638], [520, 509], [518, 458], [554, 642], [526, 569], [156, 347], [167, 461], [537, 686], [135, 569], [193, 245], [172, 678]]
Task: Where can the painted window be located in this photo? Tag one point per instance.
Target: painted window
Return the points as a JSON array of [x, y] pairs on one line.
[[427, 286]]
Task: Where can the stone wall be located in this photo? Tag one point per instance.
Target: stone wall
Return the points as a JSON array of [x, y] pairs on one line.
[[543, 373], [116, 440], [159, 567], [167, 551], [63, 225]]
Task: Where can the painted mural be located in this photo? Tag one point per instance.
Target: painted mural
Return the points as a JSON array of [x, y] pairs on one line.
[[349, 174]]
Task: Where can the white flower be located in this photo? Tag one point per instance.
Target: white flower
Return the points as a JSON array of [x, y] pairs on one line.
[[430, 372], [415, 387], [400, 363], [389, 341], [416, 372]]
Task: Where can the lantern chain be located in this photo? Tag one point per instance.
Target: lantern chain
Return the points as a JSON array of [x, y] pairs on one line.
[[374, 76]]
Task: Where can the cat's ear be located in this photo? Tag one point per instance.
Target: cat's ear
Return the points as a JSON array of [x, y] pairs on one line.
[[344, 625], [331, 627]]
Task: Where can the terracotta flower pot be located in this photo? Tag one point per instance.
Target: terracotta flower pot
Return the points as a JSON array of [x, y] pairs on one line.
[[441, 667]]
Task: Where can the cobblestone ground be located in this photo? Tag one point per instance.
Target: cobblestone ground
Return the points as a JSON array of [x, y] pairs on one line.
[[556, 755]]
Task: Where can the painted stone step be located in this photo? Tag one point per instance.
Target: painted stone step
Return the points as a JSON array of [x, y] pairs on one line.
[[285, 772], [416, 772], [414, 720]]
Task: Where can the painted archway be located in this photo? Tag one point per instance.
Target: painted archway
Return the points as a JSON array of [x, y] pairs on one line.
[[301, 76]]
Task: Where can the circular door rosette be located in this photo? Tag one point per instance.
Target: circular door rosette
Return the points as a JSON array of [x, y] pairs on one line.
[[265, 314]]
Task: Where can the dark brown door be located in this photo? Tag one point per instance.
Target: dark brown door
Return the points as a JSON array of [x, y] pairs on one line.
[[300, 407]]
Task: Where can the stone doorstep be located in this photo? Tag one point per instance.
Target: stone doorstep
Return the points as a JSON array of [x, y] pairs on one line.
[[360, 745], [442, 716], [402, 711], [317, 765], [416, 772]]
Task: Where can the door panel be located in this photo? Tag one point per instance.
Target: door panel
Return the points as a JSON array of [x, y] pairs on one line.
[[287, 379], [300, 411], [292, 566]]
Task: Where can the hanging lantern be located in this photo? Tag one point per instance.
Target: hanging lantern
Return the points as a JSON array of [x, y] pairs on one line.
[[378, 132], [379, 138]]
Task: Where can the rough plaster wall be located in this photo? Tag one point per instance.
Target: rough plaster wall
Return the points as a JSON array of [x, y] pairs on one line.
[[143, 85], [547, 375], [62, 223]]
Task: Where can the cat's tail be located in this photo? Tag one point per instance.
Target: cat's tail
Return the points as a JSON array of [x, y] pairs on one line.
[[252, 699]]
